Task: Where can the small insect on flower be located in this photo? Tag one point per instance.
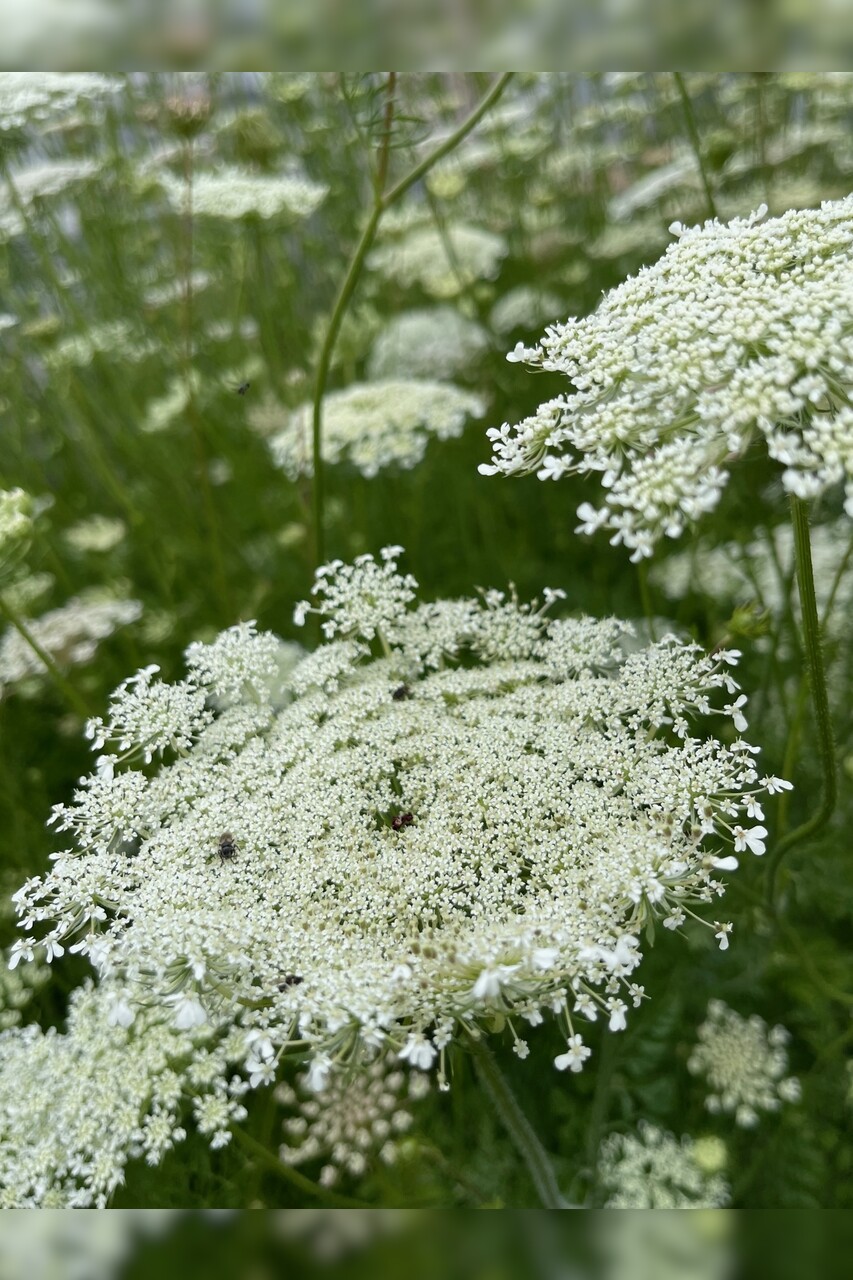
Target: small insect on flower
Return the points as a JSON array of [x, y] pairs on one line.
[[227, 849], [291, 980], [401, 820], [402, 693], [242, 388]]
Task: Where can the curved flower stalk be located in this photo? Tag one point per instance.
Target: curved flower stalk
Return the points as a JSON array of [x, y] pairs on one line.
[[451, 818]]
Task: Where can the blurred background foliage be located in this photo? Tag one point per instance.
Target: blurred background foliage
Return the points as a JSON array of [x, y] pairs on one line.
[[170, 250]]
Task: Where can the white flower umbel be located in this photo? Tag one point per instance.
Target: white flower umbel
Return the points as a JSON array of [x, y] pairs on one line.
[[443, 262], [232, 192], [653, 1169], [739, 334], [16, 517], [357, 1118], [75, 1107], [374, 425], [417, 343], [35, 95], [70, 634], [745, 1064], [452, 815]]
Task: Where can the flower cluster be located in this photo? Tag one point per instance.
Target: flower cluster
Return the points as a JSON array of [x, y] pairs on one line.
[[95, 533], [70, 634], [739, 333], [33, 95], [745, 1064], [232, 192], [56, 1091], [355, 1116], [453, 815], [653, 1169], [376, 425], [421, 257], [16, 517], [416, 343], [763, 570]]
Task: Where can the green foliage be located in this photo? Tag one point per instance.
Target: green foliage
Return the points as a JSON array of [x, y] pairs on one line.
[[133, 323]]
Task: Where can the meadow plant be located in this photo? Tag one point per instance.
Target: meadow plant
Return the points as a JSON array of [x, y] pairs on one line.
[[744, 1062], [652, 1169], [739, 335], [374, 425], [352, 921], [486, 810]]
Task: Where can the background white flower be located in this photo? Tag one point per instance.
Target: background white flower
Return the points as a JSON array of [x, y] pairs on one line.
[[739, 333]]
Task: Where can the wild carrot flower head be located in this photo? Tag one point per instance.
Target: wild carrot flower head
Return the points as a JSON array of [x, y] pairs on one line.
[[745, 1064], [652, 1169], [374, 425], [452, 815], [740, 333]]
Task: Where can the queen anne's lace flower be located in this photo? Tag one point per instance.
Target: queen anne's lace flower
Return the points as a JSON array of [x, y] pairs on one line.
[[376, 425], [34, 95], [738, 333], [454, 815], [417, 343], [745, 1063], [70, 634], [653, 1169], [357, 1117], [232, 192], [420, 256], [16, 517], [75, 1107]]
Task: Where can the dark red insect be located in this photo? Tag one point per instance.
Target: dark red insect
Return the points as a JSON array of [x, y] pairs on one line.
[[402, 820]]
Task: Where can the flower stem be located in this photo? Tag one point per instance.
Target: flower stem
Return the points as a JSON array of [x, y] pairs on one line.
[[64, 686], [288, 1174], [813, 651], [382, 203], [693, 133], [518, 1127]]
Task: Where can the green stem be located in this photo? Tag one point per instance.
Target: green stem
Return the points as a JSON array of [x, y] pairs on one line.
[[817, 683], [646, 597], [211, 521], [518, 1127], [693, 133], [288, 1174], [64, 686], [382, 203], [600, 1101]]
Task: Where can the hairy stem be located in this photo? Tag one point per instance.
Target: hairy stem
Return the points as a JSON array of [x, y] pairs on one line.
[[518, 1127], [813, 651], [693, 133], [382, 203]]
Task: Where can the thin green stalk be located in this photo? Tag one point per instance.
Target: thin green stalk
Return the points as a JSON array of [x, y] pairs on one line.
[[693, 133], [817, 684], [518, 1127], [193, 414], [64, 686], [646, 597], [600, 1101], [288, 1174], [382, 203]]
